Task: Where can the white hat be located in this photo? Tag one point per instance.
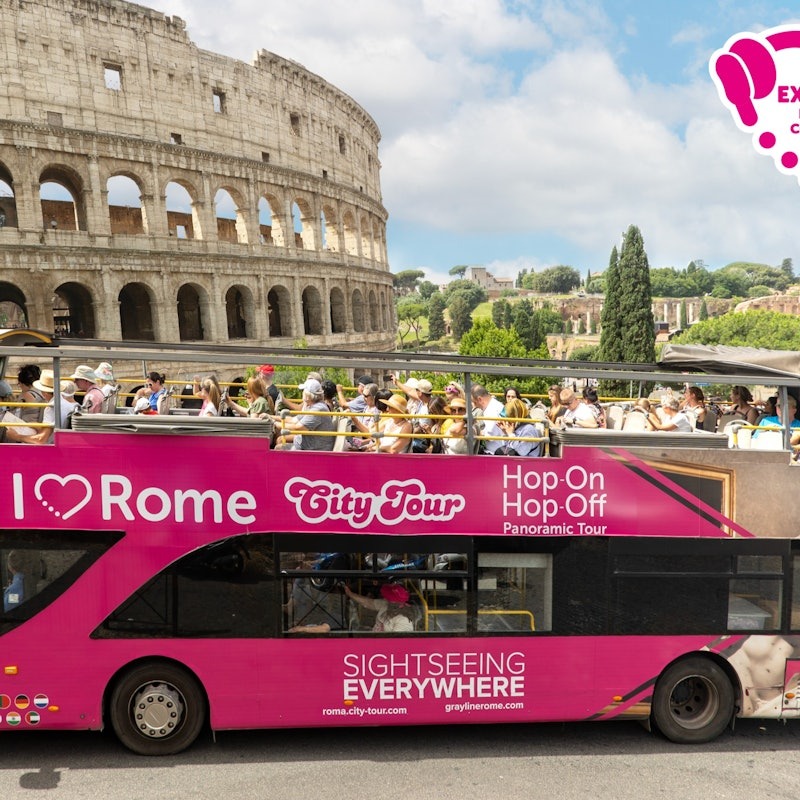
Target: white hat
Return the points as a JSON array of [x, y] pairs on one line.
[[142, 404], [46, 382], [412, 383], [83, 373], [104, 371], [312, 386], [426, 387], [68, 388]]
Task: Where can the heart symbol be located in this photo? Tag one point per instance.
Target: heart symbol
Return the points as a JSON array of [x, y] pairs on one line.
[[758, 78], [63, 482]]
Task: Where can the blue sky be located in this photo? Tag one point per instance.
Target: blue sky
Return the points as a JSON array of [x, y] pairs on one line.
[[527, 133]]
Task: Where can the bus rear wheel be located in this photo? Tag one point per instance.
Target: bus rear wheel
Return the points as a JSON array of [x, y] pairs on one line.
[[693, 701], [157, 709]]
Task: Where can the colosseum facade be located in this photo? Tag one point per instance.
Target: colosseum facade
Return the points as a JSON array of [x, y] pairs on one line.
[[151, 190]]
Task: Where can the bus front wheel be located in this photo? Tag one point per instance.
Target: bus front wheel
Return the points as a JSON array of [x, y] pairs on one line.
[[693, 701], [157, 709]]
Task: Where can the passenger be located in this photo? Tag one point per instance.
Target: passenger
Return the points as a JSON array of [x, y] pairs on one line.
[[381, 398], [454, 429], [358, 403], [155, 384], [45, 385], [576, 414], [141, 401], [6, 395], [396, 429], [410, 388], [489, 407], [591, 399], [25, 378], [210, 395], [330, 395], [266, 372], [424, 395], [519, 426], [368, 423], [108, 386], [304, 425], [436, 409], [14, 593], [393, 609], [556, 410], [642, 406], [259, 405], [776, 419], [694, 405], [742, 404], [454, 389], [297, 405], [93, 396], [676, 420], [512, 393]]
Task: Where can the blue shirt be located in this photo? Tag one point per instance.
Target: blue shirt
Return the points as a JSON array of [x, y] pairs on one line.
[[14, 593]]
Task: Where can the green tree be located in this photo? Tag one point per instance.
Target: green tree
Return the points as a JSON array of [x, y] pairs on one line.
[[499, 312], [460, 270], [556, 280], [768, 329], [406, 282], [473, 294], [610, 321], [410, 313], [460, 315], [682, 315], [635, 296], [581, 325], [436, 326], [703, 313], [524, 322], [426, 289], [788, 268]]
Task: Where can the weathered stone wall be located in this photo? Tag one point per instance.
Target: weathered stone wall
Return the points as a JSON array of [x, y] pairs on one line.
[[95, 89]]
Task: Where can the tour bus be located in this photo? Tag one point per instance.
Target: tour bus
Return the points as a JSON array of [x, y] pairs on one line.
[[179, 575]]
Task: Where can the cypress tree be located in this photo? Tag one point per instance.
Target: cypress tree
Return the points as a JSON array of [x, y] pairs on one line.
[[436, 326], [610, 323], [635, 299]]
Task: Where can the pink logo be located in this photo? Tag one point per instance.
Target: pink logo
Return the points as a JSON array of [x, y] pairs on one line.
[[63, 496], [397, 502], [758, 78]]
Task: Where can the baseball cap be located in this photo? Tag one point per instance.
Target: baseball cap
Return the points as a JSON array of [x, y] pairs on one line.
[[311, 385]]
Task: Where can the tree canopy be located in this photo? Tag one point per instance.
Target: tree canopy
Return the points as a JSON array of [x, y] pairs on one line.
[[768, 329]]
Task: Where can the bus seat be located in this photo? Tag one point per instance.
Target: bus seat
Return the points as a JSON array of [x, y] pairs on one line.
[[341, 439]]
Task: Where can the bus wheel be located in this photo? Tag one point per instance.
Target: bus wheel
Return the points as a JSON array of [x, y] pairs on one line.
[[693, 701], [157, 709]]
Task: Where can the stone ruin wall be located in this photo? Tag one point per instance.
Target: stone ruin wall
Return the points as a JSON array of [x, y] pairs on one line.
[[272, 134]]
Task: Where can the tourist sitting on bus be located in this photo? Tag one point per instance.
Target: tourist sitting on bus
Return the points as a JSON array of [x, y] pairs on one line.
[[395, 432], [108, 386], [556, 410], [266, 374], [454, 429], [776, 420], [454, 389], [85, 381], [368, 423], [45, 385], [358, 403], [14, 593], [694, 405], [592, 400], [642, 408], [155, 384], [674, 419], [302, 427], [210, 395], [437, 410], [259, 405], [519, 427], [6, 395], [490, 409], [741, 405], [392, 607], [576, 414], [25, 378]]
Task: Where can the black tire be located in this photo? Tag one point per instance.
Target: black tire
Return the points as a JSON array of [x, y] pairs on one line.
[[157, 709], [693, 701]]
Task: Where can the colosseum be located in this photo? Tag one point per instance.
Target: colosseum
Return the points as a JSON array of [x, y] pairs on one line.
[[151, 190]]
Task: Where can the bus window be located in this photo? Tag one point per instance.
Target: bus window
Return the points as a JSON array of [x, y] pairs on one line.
[[755, 598], [223, 590], [515, 592], [37, 568]]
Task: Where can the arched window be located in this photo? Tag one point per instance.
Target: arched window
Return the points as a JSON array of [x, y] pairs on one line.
[[312, 311], [180, 215], [230, 221], [13, 311], [280, 312], [338, 311], [73, 311], [358, 311], [190, 313], [135, 312], [61, 196], [125, 206], [238, 311]]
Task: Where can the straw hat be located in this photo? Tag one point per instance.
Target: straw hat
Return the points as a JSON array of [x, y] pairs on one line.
[[397, 402], [46, 382]]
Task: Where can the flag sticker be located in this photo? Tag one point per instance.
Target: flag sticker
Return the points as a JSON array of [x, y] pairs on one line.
[[13, 719], [41, 701], [22, 701], [5, 701], [32, 718]]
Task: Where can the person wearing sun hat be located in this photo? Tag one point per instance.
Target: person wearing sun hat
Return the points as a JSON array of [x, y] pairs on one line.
[[46, 385], [395, 432], [108, 386], [93, 396], [392, 607], [307, 427]]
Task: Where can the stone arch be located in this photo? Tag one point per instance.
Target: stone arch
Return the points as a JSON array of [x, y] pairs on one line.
[[377, 242], [125, 211], [193, 308], [303, 220], [270, 205], [239, 312], [136, 312], [350, 233], [61, 196], [13, 306], [384, 312], [312, 311], [338, 311], [330, 228], [357, 302], [279, 309], [181, 212], [8, 200], [231, 225], [366, 239], [73, 311], [374, 312]]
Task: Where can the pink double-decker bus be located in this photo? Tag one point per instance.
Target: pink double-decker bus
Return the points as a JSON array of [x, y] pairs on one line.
[[166, 575]]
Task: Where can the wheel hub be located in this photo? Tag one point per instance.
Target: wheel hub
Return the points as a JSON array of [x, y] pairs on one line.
[[157, 710]]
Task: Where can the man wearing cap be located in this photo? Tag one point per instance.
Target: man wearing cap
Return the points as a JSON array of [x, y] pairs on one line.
[[487, 405], [303, 425], [93, 396], [358, 403], [266, 372]]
